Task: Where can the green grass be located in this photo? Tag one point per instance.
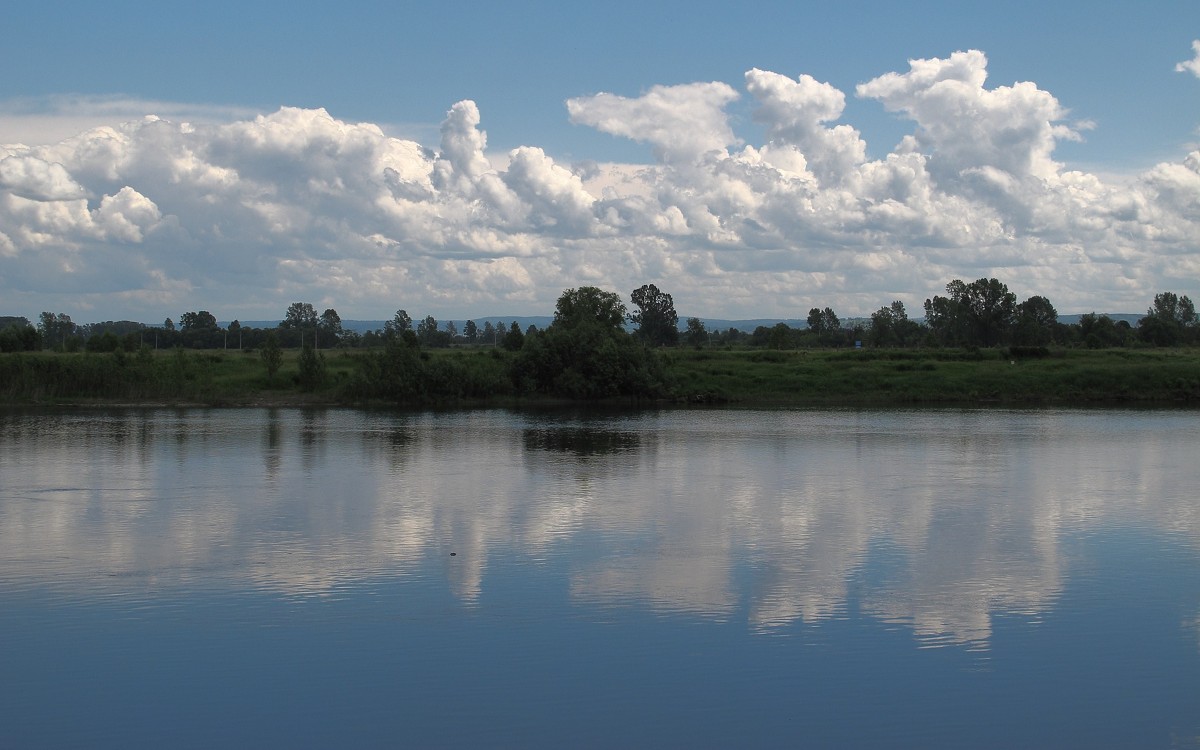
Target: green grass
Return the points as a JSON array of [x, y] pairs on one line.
[[743, 376], [936, 376]]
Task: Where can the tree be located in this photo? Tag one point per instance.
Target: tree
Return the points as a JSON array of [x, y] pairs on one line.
[[587, 304], [202, 320], [657, 321], [451, 329], [780, 336], [514, 339], [990, 307], [824, 323], [299, 315], [977, 314], [329, 327], [427, 331], [586, 352], [696, 335], [312, 368], [890, 326], [1169, 321], [1036, 320], [235, 332], [946, 322], [399, 323], [272, 355], [169, 325], [20, 337], [471, 331], [489, 332], [56, 330]]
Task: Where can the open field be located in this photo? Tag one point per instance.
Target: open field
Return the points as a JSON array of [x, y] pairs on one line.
[[737, 376], [931, 376]]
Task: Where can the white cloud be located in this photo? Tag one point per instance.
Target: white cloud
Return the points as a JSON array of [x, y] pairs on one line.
[[795, 112], [244, 216], [1191, 66], [31, 177], [682, 123], [964, 126], [40, 121]]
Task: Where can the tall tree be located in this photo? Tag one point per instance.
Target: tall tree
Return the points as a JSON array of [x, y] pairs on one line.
[[825, 323], [992, 309], [890, 326], [201, 320], [586, 352], [399, 323], [977, 314], [656, 319], [329, 328], [587, 304], [300, 315], [56, 329], [429, 335], [696, 335], [471, 331], [1036, 320], [514, 339], [1169, 321]]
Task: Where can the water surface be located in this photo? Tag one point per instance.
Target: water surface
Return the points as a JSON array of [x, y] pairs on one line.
[[945, 578]]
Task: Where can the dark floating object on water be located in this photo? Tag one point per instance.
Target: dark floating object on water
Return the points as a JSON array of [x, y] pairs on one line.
[[452, 554]]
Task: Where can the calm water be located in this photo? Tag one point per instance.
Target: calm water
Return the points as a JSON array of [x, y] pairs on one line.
[[242, 578]]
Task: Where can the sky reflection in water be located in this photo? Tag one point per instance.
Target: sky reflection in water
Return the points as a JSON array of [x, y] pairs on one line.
[[712, 575]]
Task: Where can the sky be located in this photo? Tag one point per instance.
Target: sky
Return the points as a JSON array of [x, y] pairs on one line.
[[463, 160]]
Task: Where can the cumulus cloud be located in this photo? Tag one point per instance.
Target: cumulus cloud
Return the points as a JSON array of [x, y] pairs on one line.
[[680, 122], [1191, 66], [795, 112], [162, 214], [965, 127]]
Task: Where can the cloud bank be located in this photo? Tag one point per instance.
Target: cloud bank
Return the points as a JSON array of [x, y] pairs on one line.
[[157, 216]]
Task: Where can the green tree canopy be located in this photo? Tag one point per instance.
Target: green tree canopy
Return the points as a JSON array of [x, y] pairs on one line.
[[1169, 321], [890, 326], [825, 323], [1036, 321], [697, 334], [299, 315], [399, 323], [977, 314], [656, 319], [329, 328], [202, 320], [586, 352], [587, 304]]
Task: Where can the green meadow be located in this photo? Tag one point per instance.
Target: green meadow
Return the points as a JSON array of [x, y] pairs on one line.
[[485, 376]]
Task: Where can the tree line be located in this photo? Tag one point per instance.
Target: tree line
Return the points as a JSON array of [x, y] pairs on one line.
[[593, 349], [982, 313]]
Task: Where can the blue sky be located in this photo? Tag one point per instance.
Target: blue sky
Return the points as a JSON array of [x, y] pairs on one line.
[[1105, 102]]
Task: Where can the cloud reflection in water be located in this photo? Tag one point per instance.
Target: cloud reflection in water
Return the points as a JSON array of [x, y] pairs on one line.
[[935, 520]]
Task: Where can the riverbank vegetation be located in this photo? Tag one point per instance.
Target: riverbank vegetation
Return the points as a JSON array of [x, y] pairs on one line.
[[411, 377], [977, 345]]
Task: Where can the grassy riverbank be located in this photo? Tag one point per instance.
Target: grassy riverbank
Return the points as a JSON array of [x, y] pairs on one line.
[[738, 376], [939, 376]]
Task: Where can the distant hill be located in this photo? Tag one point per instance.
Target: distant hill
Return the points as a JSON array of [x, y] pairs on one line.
[[1131, 318]]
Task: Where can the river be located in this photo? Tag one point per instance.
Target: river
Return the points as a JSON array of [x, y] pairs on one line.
[[683, 578]]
